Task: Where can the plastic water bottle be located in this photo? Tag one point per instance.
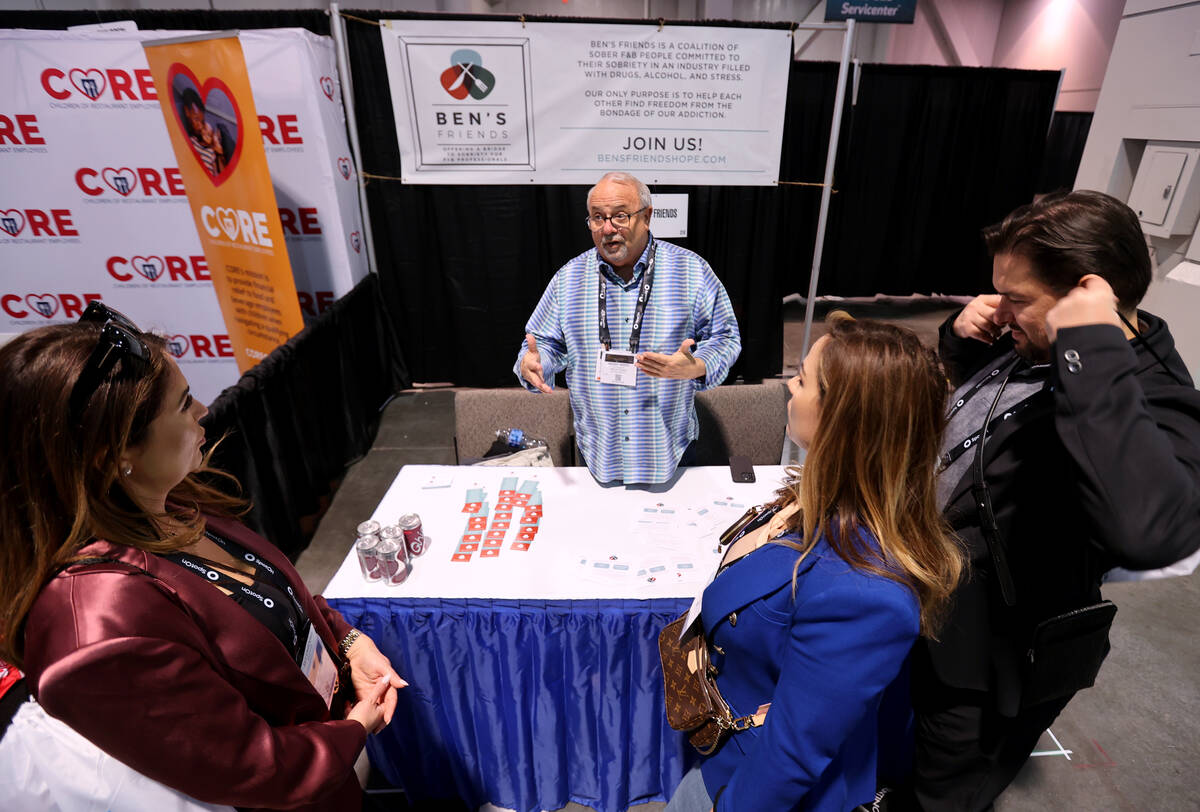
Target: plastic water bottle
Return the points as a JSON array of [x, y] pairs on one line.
[[517, 439]]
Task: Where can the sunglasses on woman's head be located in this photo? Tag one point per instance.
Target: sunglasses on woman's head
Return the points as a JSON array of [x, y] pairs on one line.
[[120, 340]]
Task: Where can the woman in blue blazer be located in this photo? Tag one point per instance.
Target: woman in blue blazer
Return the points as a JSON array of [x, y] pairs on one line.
[[812, 614]]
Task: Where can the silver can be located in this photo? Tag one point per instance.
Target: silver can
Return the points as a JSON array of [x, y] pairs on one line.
[[369, 528], [414, 535], [393, 556], [368, 559]]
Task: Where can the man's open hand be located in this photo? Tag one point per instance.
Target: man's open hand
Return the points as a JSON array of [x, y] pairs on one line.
[[680, 365], [531, 365]]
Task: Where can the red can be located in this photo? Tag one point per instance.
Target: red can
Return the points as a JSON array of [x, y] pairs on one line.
[[414, 536], [392, 554]]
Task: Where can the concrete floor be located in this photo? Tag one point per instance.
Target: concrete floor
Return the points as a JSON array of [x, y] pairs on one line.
[[1131, 743]]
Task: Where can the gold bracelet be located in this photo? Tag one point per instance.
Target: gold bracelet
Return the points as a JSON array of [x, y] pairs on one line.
[[348, 641]]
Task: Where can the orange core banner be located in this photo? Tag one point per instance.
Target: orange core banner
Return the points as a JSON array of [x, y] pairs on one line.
[[205, 95]]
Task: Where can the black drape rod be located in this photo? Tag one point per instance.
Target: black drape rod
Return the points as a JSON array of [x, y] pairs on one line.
[[337, 27], [827, 187]]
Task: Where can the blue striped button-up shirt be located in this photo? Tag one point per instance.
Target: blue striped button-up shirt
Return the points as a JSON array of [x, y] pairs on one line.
[[634, 434]]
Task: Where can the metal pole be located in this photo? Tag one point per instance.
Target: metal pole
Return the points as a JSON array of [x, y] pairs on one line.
[[337, 28], [827, 188]]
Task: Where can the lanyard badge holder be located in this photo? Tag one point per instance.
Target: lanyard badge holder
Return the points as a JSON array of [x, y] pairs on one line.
[[618, 367]]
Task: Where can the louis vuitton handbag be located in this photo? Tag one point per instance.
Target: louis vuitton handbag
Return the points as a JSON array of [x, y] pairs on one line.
[[694, 703]]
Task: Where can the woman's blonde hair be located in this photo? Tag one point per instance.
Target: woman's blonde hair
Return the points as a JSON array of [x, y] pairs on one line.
[[58, 471], [872, 462]]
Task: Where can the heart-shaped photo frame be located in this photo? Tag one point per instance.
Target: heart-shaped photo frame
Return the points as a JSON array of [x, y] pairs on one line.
[[209, 119]]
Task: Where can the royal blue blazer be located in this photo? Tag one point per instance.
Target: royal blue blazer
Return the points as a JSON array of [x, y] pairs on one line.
[[822, 659]]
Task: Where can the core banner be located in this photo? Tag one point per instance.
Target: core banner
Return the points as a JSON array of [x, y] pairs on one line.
[[204, 91], [550, 103]]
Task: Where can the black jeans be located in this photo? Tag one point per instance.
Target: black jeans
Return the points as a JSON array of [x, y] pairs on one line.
[[966, 752]]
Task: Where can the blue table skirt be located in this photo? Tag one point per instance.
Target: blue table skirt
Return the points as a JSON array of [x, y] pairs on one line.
[[526, 704]]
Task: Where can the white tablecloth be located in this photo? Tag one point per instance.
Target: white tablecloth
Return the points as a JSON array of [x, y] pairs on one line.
[[592, 542]]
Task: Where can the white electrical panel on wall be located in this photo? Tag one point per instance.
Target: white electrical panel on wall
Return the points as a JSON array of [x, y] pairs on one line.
[[1166, 190]]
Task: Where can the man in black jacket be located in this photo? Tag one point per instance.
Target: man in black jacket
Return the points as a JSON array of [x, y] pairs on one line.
[[1091, 461]]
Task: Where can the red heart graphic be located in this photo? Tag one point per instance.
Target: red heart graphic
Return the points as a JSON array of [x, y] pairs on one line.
[[45, 305], [149, 267], [355, 242], [12, 221], [95, 82], [177, 345], [122, 181], [213, 83], [327, 87], [344, 167]]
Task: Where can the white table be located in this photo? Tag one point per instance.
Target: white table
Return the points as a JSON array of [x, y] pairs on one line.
[[534, 679], [582, 521]]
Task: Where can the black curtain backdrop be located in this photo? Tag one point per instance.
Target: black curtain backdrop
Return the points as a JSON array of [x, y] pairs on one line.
[[929, 156], [1064, 150], [293, 422], [932, 156]]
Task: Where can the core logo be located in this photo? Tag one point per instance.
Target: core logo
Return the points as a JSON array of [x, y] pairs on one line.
[[280, 130], [299, 221], [92, 83], [355, 241], [154, 267], [46, 305], [55, 223], [327, 87], [315, 303], [467, 76], [238, 225], [21, 130], [344, 167], [167, 182], [200, 346]]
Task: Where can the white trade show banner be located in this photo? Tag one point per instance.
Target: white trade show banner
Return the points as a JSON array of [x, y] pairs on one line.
[[93, 207], [553, 103]]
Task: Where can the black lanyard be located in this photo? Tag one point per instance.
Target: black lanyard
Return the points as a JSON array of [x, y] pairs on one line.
[[260, 569], [966, 445], [635, 334], [982, 382]]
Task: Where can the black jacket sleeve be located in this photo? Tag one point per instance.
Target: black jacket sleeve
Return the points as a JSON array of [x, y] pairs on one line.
[[1133, 438]]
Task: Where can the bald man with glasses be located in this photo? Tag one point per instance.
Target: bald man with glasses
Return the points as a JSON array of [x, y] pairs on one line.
[[639, 326]]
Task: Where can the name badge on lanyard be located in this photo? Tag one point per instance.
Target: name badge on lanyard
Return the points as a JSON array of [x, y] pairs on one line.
[[618, 367], [318, 665]]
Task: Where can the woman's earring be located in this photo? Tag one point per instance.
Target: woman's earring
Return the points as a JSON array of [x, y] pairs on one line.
[[126, 469]]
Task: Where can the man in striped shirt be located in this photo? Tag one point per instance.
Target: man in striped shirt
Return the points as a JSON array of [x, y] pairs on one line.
[[639, 325]]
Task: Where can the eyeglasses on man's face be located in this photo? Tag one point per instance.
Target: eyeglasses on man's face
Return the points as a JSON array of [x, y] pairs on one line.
[[621, 219], [119, 340]]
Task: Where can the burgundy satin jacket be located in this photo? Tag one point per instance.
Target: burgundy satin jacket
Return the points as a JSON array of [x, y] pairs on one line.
[[171, 677]]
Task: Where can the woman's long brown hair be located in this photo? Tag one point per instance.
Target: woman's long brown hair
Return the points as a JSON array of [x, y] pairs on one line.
[[59, 483], [872, 462]]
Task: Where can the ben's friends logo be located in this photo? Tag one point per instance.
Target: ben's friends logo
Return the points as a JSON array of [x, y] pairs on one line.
[[467, 76], [210, 120]]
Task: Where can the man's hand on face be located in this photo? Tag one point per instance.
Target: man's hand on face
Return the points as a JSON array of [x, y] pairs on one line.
[[977, 319], [1092, 301], [531, 365], [680, 365]]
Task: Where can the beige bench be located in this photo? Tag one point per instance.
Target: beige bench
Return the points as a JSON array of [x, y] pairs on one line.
[[739, 419]]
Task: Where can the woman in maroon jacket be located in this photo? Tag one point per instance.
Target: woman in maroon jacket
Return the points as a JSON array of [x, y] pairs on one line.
[[145, 616]]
